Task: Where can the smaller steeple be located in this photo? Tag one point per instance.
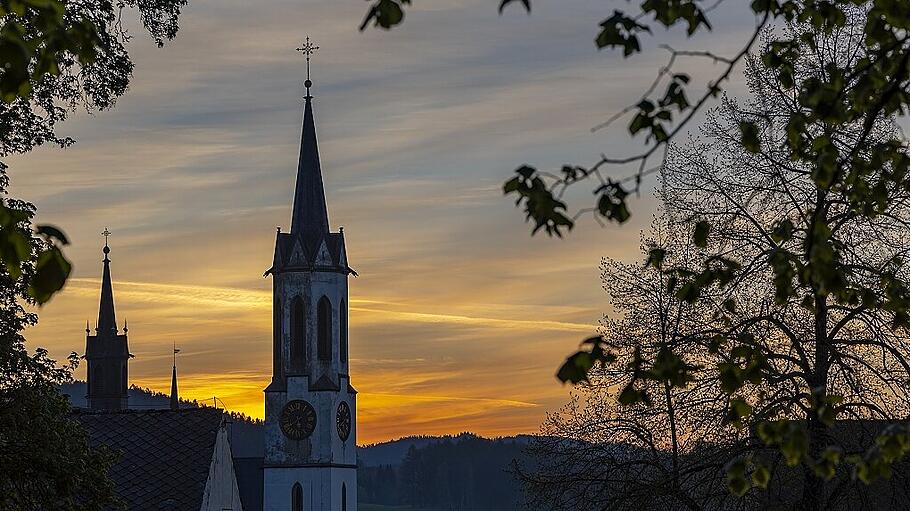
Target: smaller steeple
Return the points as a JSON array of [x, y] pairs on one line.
[[175, 401], [107, 352], [107, 320]]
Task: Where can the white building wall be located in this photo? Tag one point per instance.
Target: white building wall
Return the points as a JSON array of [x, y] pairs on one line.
[[221, 490], [321, 488], [312, 286], [322, 463]]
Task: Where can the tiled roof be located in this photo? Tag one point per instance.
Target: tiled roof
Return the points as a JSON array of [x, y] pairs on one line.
[[164, 454]]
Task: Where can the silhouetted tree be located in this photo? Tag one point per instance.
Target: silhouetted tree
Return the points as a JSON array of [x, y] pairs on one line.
[[813, 256], [46, 463], [805, 283], [668, 447]]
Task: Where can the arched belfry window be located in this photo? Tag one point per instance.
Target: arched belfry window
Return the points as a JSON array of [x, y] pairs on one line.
[[344, 497], [297, 498], [277, 333], [324, 345], [343, 332], [298, 333]]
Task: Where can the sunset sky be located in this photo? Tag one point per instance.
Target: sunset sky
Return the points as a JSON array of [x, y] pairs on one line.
[[459, 318]]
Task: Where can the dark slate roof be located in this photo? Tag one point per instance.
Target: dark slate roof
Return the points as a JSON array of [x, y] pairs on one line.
[[310, 212], [164, 455], [107, 320]]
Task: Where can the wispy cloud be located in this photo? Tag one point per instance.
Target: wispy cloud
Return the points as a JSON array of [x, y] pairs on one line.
[[459, 317]]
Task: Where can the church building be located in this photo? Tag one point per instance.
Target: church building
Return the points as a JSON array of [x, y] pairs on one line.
[[167, 458], [303, 457], [310, 460]]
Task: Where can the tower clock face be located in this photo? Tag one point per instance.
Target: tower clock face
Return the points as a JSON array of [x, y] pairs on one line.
[[343, 421], [298, 419]]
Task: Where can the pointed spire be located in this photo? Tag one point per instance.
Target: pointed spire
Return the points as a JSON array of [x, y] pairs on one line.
[[175, 401], [310, 214], [107, 321]]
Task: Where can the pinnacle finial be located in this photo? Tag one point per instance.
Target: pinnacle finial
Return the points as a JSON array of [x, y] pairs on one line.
[[308, 49]]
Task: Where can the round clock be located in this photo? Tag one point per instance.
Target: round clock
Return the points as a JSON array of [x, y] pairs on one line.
[[298, 419], [343, 421]]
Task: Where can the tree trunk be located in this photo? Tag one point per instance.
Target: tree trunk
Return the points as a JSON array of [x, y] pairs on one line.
[[813, 485]]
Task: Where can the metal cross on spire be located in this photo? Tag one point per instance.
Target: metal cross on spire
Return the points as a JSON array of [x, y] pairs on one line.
[[308, 49], [106, 233]]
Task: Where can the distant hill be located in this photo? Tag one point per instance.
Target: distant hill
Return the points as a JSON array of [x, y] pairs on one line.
[[393, 452], [140, 398], [453, 473]]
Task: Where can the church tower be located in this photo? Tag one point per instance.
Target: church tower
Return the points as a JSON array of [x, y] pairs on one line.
[[106, 353], [310, 428]]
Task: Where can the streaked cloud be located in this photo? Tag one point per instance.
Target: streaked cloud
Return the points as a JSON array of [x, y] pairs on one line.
[[458, 318]]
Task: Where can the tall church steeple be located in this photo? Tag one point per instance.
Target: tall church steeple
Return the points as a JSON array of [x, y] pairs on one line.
[[107, 352], [310, 406]]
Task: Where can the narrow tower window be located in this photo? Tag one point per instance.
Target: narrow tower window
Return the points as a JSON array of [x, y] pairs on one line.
[[277, 333], [344, 497], [343, 333], [99, 380], [324, 346], [297, 498], [298, 333]]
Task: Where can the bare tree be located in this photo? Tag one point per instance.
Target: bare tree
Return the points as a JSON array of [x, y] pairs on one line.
[[668, 451]]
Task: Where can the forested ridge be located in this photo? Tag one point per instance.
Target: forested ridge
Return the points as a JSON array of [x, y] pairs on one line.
[[465, 472]]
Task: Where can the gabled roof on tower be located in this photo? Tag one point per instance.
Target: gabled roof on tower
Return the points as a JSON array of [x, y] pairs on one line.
[[310, 217], [287, 245]]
